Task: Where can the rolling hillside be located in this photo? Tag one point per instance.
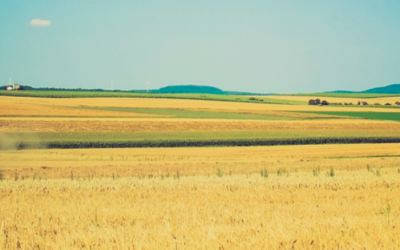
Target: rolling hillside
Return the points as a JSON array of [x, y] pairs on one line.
[[390, 89]]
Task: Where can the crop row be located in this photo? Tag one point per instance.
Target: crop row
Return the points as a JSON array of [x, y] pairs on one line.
[[205, 143]]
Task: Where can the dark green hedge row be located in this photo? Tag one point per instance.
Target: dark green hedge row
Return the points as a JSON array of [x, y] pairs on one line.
[[210, 143]]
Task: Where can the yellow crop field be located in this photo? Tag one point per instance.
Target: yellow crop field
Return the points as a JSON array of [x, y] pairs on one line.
[[128, 162], [339, 196], [12, 107], [162, 124], [351, 210], [171, 103]]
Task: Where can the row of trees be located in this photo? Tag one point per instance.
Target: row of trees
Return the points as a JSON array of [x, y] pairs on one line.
[[317, 102], [322, 103]]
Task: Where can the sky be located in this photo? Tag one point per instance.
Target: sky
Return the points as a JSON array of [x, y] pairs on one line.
[[264, 46]]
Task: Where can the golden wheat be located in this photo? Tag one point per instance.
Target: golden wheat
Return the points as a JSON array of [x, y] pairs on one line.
[[163, 124], [353, 210], [19, 107], [84, 163]]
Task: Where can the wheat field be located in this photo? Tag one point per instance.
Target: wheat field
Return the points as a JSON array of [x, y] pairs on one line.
[[29, 106], [265, 197], [157, 162], [353, 210], [163, 124], [313, 197]]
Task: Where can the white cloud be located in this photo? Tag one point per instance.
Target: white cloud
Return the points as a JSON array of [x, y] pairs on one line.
[[40, 22]]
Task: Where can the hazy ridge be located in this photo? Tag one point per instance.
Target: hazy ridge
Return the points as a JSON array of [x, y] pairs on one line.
[[389, 89]]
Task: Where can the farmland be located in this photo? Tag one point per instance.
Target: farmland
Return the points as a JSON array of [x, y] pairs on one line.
[[202, 198], [93, 94], [136, 162], [226, 191], [369, 115], [140, 122]]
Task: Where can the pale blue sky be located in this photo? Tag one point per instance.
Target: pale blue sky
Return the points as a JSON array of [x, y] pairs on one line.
[[255, 46]]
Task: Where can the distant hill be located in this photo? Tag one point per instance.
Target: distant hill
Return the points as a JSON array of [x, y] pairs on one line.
[[390, 89], [189, 89], [173, 89], [340, 91], [196, 89]]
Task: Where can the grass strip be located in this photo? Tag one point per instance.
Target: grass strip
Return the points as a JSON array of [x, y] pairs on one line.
[[105, 94], [389, 116], [195, 114]]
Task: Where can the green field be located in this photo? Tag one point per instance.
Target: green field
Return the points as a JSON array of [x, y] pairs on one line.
[[100, 94], [198, 138], [389, 116], [195, 114], [243, 98]]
